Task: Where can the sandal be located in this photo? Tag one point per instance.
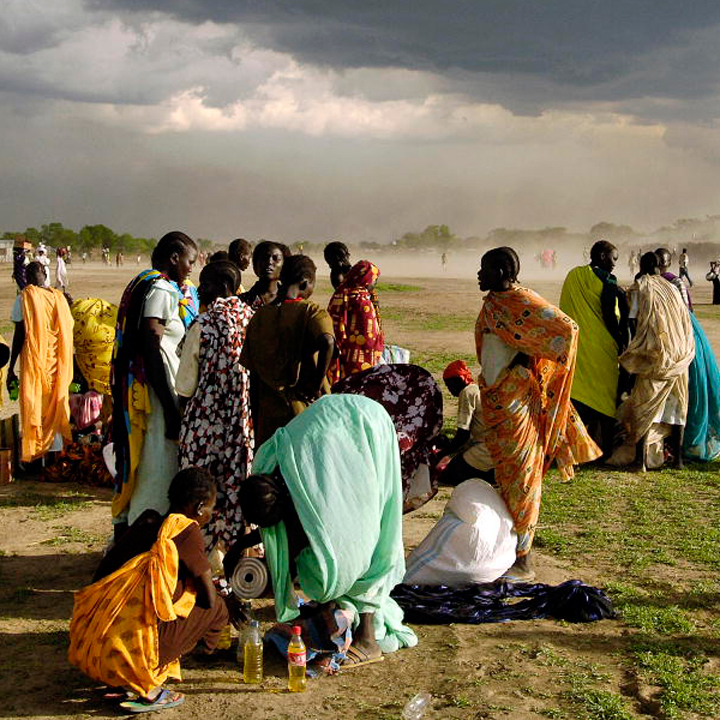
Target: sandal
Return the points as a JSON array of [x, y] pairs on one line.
[[164, 700], [357, 657]]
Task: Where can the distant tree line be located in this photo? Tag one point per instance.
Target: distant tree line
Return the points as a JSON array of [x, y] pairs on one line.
[[91, 238], [684, 231]]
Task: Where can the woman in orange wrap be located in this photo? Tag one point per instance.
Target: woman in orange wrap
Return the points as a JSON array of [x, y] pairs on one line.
[[43, 340], [527, 350], [152, 600], [356, 321]]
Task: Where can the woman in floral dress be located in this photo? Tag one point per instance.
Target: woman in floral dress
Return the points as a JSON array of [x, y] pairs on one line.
[[356, 321], [216, 431], [413, 400]]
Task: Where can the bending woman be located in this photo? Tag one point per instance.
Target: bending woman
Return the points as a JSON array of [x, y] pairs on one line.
[[152, 600], [327, 497], [216, 430], [356, 321]]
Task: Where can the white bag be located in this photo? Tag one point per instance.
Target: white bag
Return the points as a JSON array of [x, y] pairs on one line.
[[474, 541]]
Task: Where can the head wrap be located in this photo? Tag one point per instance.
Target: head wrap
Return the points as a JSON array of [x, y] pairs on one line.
[[362, 274], [459, 369]]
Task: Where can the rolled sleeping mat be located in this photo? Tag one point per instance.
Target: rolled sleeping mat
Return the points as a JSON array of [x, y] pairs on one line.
[[250, 579]]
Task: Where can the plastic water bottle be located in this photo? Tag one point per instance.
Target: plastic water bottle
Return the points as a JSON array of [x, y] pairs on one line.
[[416, 707], [253, 654], [297, 660]]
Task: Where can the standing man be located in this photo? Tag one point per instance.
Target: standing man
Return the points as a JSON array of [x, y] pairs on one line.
[[592, 298], [684, 262]]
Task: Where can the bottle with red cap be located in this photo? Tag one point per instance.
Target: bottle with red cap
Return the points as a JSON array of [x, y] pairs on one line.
[[297, 660]]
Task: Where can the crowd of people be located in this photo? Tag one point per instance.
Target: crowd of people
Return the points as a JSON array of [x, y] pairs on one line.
[[252, 420]]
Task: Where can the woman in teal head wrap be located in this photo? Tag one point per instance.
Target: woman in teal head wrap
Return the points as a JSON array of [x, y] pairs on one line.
[[327, 496]]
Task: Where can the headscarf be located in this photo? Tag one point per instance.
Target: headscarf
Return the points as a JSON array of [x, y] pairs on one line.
[[362, 276], [459, 369]]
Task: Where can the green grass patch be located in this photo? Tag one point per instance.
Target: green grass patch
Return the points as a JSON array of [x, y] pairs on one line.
[[62, 506], [597, 704], [664, 620], [72, 535], [383, 287], [684, 686]]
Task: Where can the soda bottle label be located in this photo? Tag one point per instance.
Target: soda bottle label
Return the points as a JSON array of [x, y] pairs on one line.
[[297, 658]]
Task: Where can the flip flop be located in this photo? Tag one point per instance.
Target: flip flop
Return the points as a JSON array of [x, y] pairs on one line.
[[358, 657], [165, 699]]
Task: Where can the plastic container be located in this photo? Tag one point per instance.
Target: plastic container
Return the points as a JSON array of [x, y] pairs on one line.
[[253, 655], [14, 390], [225, 639], [416, 707], [297, 661]]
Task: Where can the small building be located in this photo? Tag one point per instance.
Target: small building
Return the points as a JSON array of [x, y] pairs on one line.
[[6, 250]]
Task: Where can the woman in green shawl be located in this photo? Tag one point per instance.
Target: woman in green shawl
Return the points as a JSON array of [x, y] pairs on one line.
[[327, 496]]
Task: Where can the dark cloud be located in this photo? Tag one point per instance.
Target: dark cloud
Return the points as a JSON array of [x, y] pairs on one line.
[[576, 44]]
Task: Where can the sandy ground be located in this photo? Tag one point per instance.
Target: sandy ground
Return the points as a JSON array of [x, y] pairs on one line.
[[51, 537]]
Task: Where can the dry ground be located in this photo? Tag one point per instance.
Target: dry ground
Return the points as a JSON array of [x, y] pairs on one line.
[[51, 537]]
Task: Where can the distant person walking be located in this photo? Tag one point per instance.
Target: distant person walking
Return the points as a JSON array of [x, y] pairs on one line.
[[443, 260], [684, 261], [61, 276], [714, 277]]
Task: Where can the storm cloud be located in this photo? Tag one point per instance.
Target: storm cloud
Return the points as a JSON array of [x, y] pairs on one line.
[[361, 120]]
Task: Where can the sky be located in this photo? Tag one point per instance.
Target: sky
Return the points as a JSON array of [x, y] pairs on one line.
[[327, 119]]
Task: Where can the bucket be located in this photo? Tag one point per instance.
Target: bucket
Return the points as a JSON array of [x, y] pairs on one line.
[[5, 466]]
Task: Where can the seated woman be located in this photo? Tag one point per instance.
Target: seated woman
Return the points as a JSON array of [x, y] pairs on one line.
[[327, 499], [356, 321], [471, 458], [413, 400], [152, 600]]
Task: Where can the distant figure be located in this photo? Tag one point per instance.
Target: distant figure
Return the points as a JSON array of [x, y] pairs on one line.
[[714, 277], [443, 260], [139, 259], [83, 256], [664, 262], [337, 256], [591, 297], [20, 261], [41, 256], [240, 253], [546, 258], [61, 276], [218, 256], [684, 261], [633, 264]]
